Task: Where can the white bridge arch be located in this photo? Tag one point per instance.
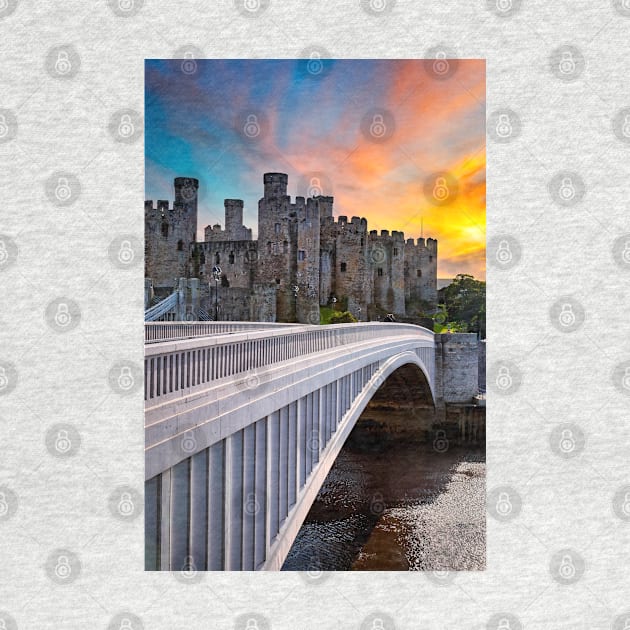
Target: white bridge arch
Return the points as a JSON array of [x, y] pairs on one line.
[[243, 422]]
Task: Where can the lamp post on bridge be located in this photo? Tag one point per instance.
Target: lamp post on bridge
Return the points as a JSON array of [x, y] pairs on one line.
[[216, 274], [295, 290]]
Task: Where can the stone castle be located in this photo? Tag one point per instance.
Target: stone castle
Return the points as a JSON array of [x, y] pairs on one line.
[[303, 259]]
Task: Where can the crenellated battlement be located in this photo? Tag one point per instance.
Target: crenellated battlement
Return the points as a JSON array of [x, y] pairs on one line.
[[300, 243], [429, 244]]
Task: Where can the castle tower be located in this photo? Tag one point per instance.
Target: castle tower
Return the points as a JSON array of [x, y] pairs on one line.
[[233, 215], [277, 243], [186, 198], [169, 233], [275, 185]]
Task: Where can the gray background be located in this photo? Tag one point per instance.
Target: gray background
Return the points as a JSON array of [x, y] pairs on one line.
[[59, 498]]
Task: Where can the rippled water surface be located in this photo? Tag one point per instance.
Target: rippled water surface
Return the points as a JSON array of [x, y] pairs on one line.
[[391, 502]]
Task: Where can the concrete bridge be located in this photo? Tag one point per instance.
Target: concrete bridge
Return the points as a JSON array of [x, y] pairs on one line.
[[243, 422]]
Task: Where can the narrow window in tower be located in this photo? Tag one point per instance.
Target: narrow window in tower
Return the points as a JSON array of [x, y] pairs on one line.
[[361, 242], [343, 267], [419, 273], [430, 258], [165, 229], [301, 255], [379, 272], [231, 259], [276, 228], [277, 280], [217, 259], [274, 248], [269, 247], [395, 251], [180, 246], [285, 247]]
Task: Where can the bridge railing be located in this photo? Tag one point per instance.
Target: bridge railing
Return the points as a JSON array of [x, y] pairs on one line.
[[162, 308], [173, 368], [155, 332]]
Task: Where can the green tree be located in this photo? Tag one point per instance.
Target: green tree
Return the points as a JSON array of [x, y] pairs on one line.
[[465, 302], [342, 317]]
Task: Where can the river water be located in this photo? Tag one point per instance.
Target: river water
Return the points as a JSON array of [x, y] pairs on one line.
[[394, 502]]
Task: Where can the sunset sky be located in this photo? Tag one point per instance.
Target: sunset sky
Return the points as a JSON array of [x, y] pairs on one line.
[[226, 122]]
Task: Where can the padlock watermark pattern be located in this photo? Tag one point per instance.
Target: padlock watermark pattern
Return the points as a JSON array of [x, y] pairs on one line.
[[621, 377], [504, 252], [621, 503], [125, 620], [125, 125], [567, 566], [125, 377], [567, 63], [504, 377], [251, 125], [441, 577], [63, 62], [62, 315], [8, 252], [621, 124], [125, 8], [63, 566], [7, 7], [251, 621], [190, 56], [567, 314], [125, 251], [125, 503], [7, 621], [378, 620], [504, 503], [9, 503], [504, 125], [566, 188], [621, 251], [378, 125], [623, 8], [188, 571], [251, 8], [8, 377], [378, 7], [440, 62], [8, 125], [441, 188], [567, 440], [315, 62], [504, 621], [441, 442], [315, 184], [63, 440], [504, 8], [63, 188]]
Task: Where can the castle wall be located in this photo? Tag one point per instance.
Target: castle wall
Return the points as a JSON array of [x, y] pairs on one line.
[[299, 245], [277, 239], [387, 258], [169, 232], [421, 271], [307, 260], [351, 274], [237, 260]]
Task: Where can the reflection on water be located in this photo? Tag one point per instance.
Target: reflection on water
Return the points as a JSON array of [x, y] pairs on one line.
[[391, 502]]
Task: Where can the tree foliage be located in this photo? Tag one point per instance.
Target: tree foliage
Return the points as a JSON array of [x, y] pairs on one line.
[[342, 317], [464, 304]]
